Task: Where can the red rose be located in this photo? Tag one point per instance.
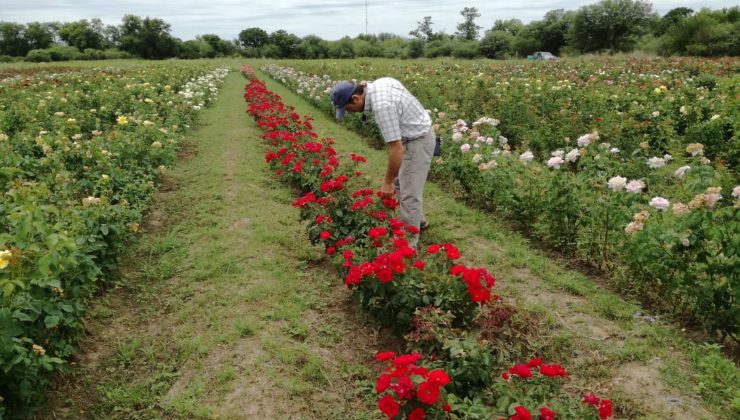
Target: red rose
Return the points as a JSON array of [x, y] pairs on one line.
[[553, 370], [447, 408], [605, 409], [546, 414], [331, 250], [407, 359], [388, 406], [521, 413], [452, 251], [386, 355], [534, 362], [325, 234], [521, 371], [419, 264], [428, 393], [438, 377], [417, 414], [433, 249], [591, 399], [384, 381]]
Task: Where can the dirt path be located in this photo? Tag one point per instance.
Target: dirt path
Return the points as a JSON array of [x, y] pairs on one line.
[[224, 310]]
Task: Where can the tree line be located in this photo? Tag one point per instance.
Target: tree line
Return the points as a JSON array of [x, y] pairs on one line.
[[609, 26]]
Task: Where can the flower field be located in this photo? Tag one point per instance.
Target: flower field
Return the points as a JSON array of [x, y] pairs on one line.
[[81, 151], [629, 166], [444, 308]]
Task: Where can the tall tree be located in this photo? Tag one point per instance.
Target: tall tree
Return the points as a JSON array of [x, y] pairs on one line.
[[38, 35], [467, 29], [510, 26], [81, 34], [12, 41], [286, 43], [253, 37], [424, 30], [147, 38], [612, 25]]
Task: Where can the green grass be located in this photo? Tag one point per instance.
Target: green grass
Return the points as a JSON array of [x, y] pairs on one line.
[[218, 296]]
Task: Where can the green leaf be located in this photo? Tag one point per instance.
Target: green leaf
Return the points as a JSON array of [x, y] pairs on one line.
[[51, 321]]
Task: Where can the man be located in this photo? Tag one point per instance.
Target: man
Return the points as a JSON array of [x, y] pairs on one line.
[[407, 130]]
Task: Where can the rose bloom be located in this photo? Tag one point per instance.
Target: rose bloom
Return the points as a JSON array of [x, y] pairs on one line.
[[477, 158], [555, 162], [572, 156], [680, 209], [712, 197], [656, 162], [659, 203], [641, 217], [527, 157], [457, 137], [680, 172], [736, 191], [635, 186], [695, 149], [633, 227], [617, 183], [465, 148]]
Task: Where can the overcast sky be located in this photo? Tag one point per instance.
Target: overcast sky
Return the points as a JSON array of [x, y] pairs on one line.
[[329, 19]]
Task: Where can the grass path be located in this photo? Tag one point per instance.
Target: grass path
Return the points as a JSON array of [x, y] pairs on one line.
[[226, 310]]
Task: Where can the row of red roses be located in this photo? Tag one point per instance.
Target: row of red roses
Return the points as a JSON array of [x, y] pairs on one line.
[[413, 386]]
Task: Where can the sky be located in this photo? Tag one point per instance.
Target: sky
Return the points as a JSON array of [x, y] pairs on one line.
[[329, 19]]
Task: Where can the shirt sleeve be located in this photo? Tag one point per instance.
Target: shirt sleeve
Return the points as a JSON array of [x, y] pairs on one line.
[[386, 116]]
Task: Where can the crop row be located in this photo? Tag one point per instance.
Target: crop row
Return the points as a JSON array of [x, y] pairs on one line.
[[448, 310], [80, 154], [626, 188]]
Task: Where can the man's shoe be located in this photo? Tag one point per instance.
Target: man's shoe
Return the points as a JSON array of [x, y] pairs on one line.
[[423, 226]]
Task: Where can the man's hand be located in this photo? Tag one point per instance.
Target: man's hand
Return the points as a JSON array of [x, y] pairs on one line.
[[387, 190]]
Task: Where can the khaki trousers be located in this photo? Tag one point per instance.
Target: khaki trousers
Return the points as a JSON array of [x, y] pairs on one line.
[[417, 157]]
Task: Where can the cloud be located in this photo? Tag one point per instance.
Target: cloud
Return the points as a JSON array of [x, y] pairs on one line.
[[329, 19]]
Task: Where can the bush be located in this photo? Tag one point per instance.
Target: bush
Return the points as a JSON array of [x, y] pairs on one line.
[[38, 56], [466, 49]]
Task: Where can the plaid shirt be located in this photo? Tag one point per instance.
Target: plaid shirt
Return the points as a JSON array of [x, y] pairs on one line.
[[397, 112]]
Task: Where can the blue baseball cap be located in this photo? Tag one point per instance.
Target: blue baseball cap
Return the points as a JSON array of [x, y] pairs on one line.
[[341, 95]]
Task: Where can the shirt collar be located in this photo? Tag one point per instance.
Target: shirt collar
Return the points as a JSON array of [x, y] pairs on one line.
[[368, 99]]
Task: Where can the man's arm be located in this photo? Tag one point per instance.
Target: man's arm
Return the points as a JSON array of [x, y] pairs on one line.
[[395, 157]]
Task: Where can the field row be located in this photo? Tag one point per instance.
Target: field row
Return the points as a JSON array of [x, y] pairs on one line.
[[627, 166], [80, 154]]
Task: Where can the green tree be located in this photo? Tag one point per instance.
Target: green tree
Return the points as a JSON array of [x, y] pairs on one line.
[[220, 47], [39, 35], [467, 29], [708, 33], [612, 25], [286, 43], [81, 34], [496, 44], [12, 41], [672, 18], [195, 49], [148, 38], [313, 47], [253, 37], [510, 26], [424, 30]]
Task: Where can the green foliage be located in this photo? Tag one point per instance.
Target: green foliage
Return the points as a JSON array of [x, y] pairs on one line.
[[77, 169]]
